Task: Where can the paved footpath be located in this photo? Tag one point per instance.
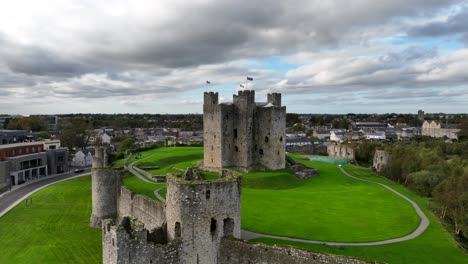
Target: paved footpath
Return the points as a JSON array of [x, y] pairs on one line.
[[418, 231], [136, 173], [10, 199]]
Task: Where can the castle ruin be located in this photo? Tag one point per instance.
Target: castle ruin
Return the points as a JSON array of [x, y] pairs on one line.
[[243, 134], [341, 151], [381, 159]]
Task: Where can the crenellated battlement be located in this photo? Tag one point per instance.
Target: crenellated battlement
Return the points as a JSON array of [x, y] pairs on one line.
[[245, 134]]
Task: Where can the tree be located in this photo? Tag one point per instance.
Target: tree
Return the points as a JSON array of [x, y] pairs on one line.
[[423, 182], [76, 134], [27, 123], [127, 144], [452, 198], [299, 127], [463, 133], [292, 119]]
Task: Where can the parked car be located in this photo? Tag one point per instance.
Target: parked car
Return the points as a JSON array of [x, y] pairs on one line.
[[78, 170]]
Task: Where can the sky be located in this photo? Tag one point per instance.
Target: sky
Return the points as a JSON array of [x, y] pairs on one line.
[[146, 56]]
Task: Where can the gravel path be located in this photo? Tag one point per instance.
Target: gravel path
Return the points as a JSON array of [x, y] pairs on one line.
[[418, 231], [136, 173], [160, 198]]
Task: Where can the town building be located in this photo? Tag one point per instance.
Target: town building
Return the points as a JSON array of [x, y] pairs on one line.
[[439, 130], [21, 162]]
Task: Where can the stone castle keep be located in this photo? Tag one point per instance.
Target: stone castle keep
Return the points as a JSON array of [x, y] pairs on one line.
[[243, 133], [199, 223]]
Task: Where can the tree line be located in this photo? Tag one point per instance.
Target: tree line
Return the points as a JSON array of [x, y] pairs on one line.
[[437, 170]]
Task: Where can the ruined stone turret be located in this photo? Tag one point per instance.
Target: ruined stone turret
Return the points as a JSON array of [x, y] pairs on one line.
[[200, 213], [105, 188]]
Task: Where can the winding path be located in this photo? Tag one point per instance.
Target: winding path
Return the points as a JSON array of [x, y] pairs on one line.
[[418, 231], [156, 193], [136, 173]]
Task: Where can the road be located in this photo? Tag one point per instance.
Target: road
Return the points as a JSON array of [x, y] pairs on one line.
[[11, 198]]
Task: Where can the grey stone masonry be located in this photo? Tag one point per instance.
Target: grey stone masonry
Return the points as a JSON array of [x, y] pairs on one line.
[[244, 134], [381, 159], [105, 187], [341, 150], [240, 252], [200, 213]]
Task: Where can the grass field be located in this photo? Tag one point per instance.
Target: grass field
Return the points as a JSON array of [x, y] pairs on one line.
[[435, 245], [55, 229], [330, 207], [136, 185], [167, 158]]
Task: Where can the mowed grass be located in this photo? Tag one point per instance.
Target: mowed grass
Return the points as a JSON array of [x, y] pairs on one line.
[[139, 186], [54, 229], [329, 207], [435, 245], [169, 158]]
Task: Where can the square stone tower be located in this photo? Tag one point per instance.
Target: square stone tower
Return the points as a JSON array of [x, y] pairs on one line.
[[244, 134]]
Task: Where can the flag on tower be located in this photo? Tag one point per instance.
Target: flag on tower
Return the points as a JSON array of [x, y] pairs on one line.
[[249, 78], [208, 82], [242, 86]]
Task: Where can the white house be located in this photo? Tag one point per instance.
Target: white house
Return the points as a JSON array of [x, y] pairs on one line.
[[83, 158], [105, 138]]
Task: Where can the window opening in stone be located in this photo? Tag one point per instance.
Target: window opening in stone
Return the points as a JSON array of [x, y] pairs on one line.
[[177, 230], [228, 227], [236, 148], [266, 139], [261, 151], [235, 133], [212, 148], [213, 226], [281, 139], [207, 194]]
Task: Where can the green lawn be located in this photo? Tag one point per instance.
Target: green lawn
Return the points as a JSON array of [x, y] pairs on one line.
[[170, 157], [435, 245], [55, 229], [136, 185], [329, 207]]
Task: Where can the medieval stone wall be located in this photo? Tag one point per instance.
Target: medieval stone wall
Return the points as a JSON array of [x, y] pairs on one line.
[[131, 245], [342, 151], [149, 212], [200, 213], [381, 159], [238, 252], [105, 186]]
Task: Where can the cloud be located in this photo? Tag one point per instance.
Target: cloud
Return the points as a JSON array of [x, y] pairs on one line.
[[166, 50], [454, 24]]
